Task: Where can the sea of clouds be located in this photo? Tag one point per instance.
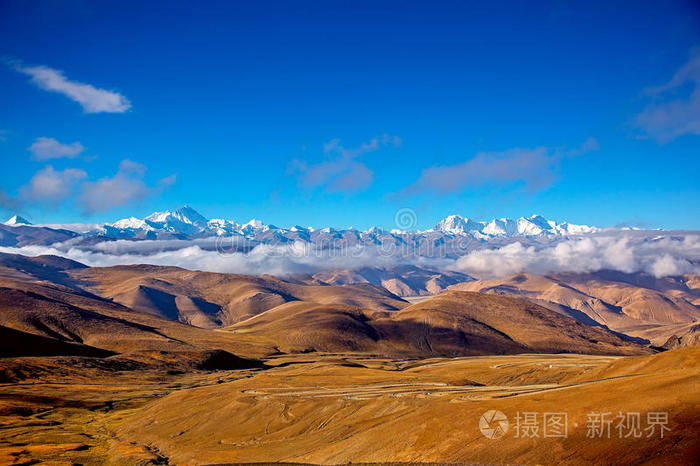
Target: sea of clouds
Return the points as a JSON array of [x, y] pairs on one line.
[[660, 256], [657, 253]]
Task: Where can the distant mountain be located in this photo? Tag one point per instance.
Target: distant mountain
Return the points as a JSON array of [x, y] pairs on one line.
[[182, 222], [167, 309], [402, 280], [210, 300], [187, 223], [450, 324], [535, 225], [691, 337], [458, 225], [637, 304], [19, 235], [17, 220]]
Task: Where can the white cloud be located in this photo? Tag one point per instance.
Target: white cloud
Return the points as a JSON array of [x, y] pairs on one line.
[[49, 148], [343, 173], [670, 113], [126, 186], [54, 186], [670, 254], [92, 99], [535, 168], [282, 261], [168, 181], [667, 255]]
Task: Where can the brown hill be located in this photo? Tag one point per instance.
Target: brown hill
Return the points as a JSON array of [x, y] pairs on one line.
[[73, 316], [137, 308], [305, 327], [517, 320], [635, 304], [691, 337], [450, 324], [20, 235], [402, 280], [214, 299], [51, 269], [15, 343]]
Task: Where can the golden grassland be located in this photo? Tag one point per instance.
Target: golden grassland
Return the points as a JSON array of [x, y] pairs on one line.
[[337, 408]]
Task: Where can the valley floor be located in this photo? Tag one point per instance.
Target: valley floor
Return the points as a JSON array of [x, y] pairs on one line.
[[337, 408]]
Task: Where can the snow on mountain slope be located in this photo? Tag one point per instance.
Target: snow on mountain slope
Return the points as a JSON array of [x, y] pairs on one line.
[[456, 225], [187, 222], [465, 233], [132, 222], [535, 225], [183, 220], [17, 220]]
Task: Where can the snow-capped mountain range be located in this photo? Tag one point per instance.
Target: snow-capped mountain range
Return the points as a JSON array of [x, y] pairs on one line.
[[535, 225], [185, 238], [187, 223], [184, 221]]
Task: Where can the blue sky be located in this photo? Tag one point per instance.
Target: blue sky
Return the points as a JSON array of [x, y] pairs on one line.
[[340, 113]]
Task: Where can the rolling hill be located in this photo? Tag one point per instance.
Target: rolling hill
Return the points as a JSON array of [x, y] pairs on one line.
[[402, 280], [213, 299], [637, 304], [450, 324], [146, 308]]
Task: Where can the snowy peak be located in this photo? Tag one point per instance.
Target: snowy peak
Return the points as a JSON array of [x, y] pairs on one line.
[[252, 227], [254, 223], [131, 222], [456, 224], [182, 222], [185, 215], [541, 222], [17, 220], [375, 231], [535, 225], [501, 227]]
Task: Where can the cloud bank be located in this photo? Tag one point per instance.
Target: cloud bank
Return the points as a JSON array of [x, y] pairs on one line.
[[281, 261], [660, 255]]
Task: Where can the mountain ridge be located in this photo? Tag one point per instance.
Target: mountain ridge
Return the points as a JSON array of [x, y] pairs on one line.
[[187, 222]]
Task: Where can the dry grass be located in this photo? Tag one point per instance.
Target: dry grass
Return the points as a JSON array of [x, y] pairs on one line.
[[337, 408]]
